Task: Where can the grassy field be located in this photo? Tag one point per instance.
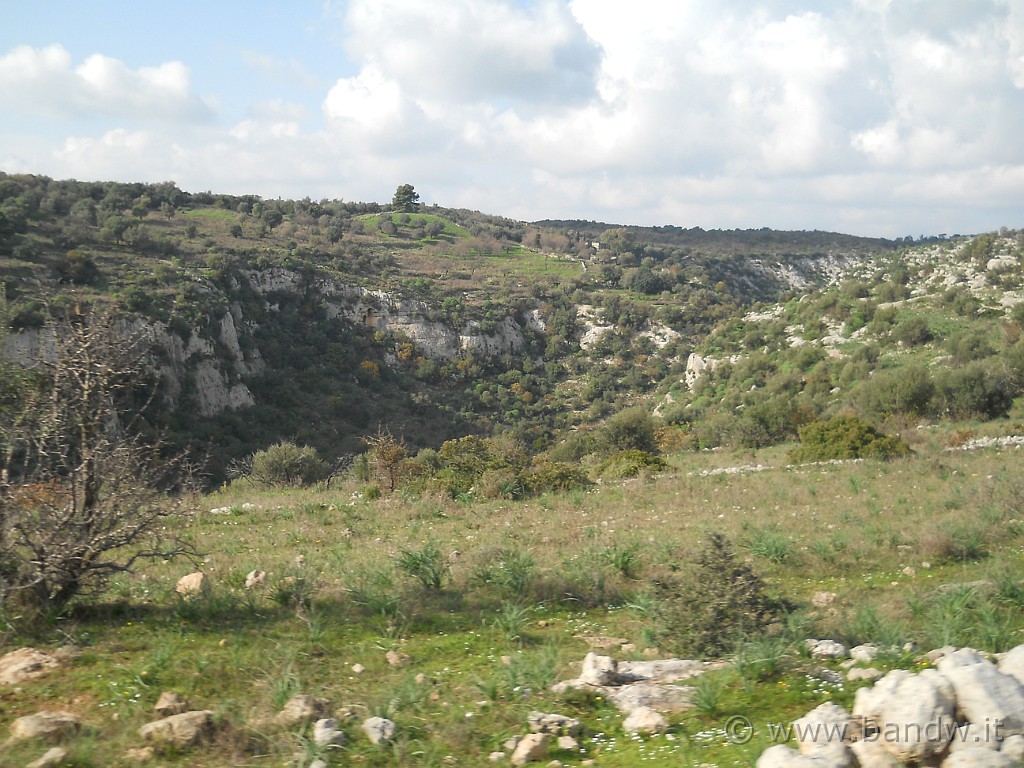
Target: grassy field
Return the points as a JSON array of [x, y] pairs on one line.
[[493, 601]]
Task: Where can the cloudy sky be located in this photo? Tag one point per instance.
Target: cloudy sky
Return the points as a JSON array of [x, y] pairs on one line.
[[874, 117]]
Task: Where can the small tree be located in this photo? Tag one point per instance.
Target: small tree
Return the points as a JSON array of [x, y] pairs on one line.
[[83, 495], [387, 457], [406, 199]]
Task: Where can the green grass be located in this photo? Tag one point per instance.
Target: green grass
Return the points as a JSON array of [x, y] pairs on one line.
[[244, 654]]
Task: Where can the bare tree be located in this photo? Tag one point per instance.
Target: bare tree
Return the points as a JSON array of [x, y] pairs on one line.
[[85, 492]]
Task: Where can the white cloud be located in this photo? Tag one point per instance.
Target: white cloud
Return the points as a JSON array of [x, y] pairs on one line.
[[44, 81], [474, 50]]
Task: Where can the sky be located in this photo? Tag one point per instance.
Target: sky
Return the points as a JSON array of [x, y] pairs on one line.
[[871, 117]]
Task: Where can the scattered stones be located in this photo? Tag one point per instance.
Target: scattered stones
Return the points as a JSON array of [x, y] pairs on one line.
[[379, 729], [25, 664], [255, 579], [826, 649], [823, 599], [358, 669], [397, 659], [303, 709], [531, 748], [50, 759], [630, 685], [169, 704], [139, 754], [327, 734], [555, 725], [645, 720], [512, 743], [48, 725], [192, 584], [966, 713], [180, 731], [496, 757]]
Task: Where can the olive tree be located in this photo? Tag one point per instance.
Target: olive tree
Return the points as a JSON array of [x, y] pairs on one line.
[[84, 492]]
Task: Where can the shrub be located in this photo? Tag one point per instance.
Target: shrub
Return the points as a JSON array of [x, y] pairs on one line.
[[912, 332], [721, 602], [976, 390], [630, 464], [845, 437], [631, 429], [288, 465], [554, 476], [906, 390]]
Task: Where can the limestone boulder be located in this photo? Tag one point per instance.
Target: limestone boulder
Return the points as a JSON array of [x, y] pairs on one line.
[[645, 720], [181, 731], [25, 664], [553, 724], [531, 748], [984, 694], [379, 729], [910, 710], [47, 725], [598, 670], [303, 709], [169, 704], [327, 734]]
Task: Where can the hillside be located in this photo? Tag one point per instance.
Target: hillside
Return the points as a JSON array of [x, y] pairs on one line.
[[279, 309], [447, 455]]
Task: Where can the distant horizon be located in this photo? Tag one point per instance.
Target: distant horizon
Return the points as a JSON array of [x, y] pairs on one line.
[[889, 118]]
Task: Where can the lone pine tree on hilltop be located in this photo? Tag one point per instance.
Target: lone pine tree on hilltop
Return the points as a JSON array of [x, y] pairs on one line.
[[406, 200]]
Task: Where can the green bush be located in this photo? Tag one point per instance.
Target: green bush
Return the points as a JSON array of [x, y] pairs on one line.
[[912, 332], [288, 465], [899, 391], [630, 463], [976, 390], [553, 476], [630, 430], [845, 437], [720, 603]]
